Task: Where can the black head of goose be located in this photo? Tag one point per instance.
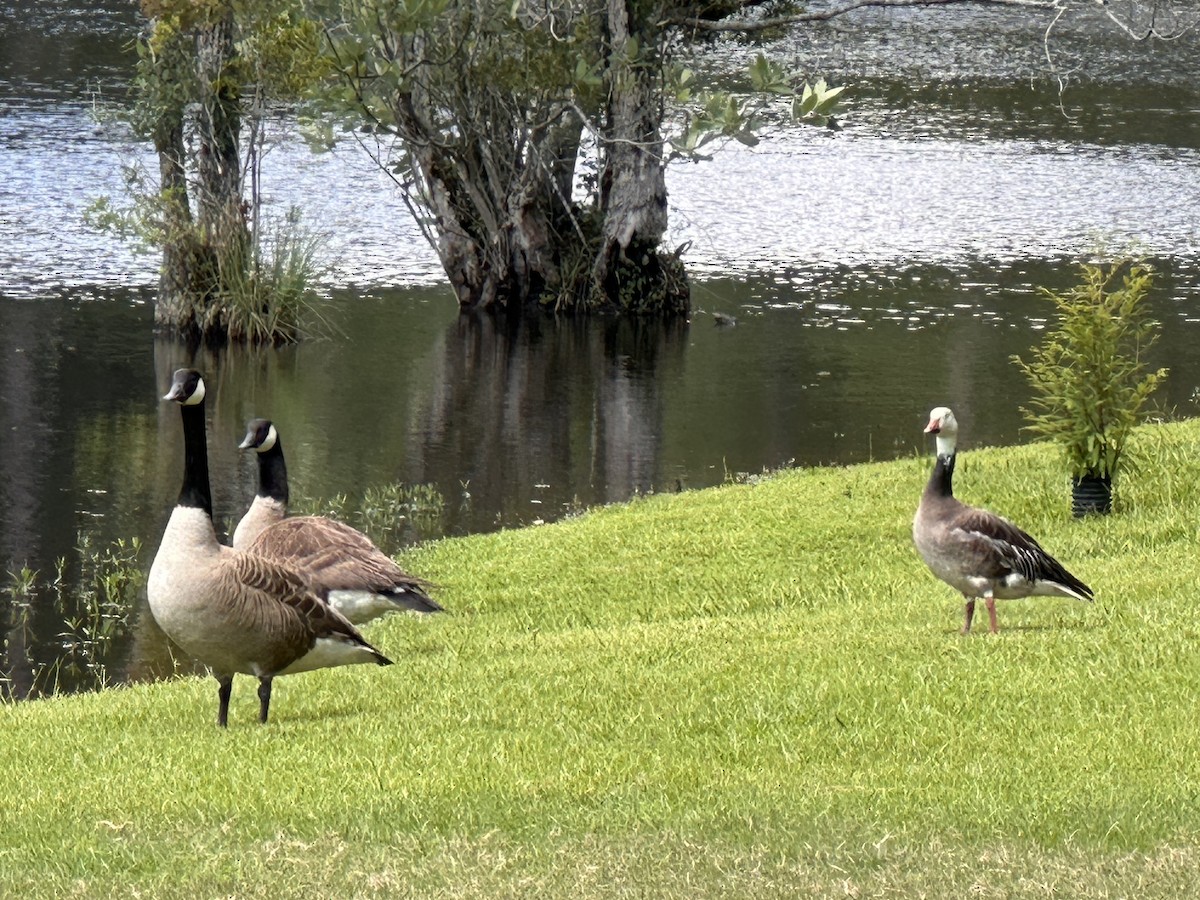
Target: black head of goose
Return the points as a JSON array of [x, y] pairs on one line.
[[362, 581], [237, 612], [979, 553]]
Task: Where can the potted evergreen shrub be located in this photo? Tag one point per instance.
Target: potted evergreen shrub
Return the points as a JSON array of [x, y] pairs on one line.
[[1089, 376]]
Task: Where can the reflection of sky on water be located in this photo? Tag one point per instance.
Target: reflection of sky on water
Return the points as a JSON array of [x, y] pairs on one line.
[[801, 201], [811, 200]]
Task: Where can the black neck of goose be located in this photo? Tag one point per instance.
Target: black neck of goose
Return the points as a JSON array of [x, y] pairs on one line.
[[943, 474], [272, 473], [195, 491]]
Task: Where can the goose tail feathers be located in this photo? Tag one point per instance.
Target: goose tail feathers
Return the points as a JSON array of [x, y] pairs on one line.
[[1075, 588], [414, 601]]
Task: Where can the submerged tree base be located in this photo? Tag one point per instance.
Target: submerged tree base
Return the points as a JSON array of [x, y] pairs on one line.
[[649, 282]]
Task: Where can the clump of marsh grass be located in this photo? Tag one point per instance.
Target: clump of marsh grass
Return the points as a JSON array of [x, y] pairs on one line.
[[269, 293], [389, 510], [264, 287]]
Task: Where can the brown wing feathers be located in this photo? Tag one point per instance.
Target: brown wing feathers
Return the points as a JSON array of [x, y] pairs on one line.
[[1014, 550], [284, 604], [334, 555]]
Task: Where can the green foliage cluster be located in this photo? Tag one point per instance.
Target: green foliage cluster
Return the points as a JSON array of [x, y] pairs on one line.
[[648, 281], [1089, 376], [724, 114], [278, 52], [281, 50], [377, 52], [750, 691], [142, 222], [164, 80]]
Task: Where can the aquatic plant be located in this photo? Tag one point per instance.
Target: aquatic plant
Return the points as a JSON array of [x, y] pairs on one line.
[[393, 515], [270, 297], [93, 596]]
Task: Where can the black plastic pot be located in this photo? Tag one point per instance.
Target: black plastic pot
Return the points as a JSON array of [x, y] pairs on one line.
[[1091, 494]]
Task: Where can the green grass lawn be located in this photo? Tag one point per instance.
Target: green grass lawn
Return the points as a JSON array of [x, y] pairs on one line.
[[756, 690]]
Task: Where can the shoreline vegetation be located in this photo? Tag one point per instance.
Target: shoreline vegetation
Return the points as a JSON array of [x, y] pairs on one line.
[[754, 690]]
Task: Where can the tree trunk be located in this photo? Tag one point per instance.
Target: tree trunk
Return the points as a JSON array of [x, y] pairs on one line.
[[174, 309], [204, 252], [501, 210], [220, 214], [629, 271]]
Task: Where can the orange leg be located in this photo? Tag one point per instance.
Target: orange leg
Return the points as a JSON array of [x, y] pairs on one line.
[[969, 615], [991, 608]]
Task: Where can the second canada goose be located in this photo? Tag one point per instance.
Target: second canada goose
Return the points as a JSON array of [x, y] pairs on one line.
[[977, 552], [238, 613], [362, 581]]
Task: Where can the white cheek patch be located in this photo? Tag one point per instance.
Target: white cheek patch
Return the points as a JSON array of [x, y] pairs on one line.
[[269, 440], [197, 395]]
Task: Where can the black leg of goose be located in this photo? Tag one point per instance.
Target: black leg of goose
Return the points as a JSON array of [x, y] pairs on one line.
[[224, 688], [991, 608], [264, 698], [969, 615]]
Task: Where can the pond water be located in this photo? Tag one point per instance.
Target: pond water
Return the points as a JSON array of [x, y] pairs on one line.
[[874, 273]]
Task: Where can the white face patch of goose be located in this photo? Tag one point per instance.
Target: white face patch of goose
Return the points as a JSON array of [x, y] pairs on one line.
[[269, 441], [946, 444], [197, 395], [946, 434]]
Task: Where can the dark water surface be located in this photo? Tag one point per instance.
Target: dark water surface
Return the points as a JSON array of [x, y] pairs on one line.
[[874, 273]]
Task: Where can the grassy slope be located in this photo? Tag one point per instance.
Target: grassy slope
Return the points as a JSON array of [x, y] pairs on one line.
[[755, 690]]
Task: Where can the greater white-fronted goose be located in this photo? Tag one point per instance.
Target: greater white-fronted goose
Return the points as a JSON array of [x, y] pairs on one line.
[[975, 551], [362, 581], [237, 612]]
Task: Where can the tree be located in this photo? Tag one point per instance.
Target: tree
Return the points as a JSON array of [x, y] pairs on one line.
[[528, 138], [207, 72], [186, 89]]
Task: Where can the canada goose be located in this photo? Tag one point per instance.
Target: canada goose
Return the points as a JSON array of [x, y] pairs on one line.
[[362, 581], [978, 552], [236, 612]]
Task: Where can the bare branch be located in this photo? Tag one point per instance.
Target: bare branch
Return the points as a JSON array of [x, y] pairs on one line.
[[840, 9], [1161, 21]]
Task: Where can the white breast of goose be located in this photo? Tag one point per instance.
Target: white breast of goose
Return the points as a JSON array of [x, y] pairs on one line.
[[187, 600], [188, 546]]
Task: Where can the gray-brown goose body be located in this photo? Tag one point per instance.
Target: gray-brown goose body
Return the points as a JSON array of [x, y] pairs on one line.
[[237, 613], [977, 552], [362, 582]]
